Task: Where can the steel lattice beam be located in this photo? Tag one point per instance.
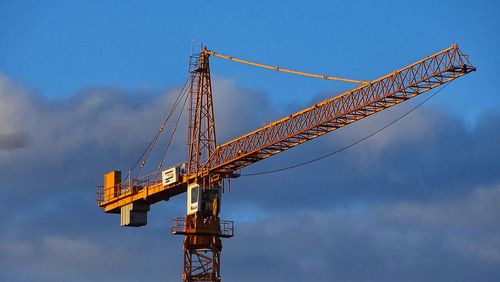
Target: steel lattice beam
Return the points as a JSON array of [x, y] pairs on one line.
[[340, 111]]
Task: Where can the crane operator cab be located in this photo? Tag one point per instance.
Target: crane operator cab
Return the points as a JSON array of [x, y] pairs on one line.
[[203, 199]]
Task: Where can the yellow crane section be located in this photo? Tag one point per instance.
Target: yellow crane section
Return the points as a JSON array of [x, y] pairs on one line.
[[299, 127], [208, 164]]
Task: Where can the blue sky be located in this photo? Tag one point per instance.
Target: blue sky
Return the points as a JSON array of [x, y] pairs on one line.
[[60, 47], [84, 85]]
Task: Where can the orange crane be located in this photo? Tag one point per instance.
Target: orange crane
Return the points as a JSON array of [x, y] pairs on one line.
[[209, 164]]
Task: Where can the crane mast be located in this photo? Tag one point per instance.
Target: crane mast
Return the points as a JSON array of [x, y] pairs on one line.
[[202, 140], [201, 227], [208, 164]]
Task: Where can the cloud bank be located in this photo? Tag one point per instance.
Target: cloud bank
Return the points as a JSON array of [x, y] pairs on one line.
[[417, 202]]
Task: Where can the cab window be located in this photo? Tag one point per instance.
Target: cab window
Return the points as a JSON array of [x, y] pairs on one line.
[[194, 195]]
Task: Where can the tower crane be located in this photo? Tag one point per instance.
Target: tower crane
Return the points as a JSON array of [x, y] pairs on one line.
[[208, 164]]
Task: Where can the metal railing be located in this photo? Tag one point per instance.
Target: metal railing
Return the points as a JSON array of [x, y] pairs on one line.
[[226, 228], [100, 194], [129, 186]]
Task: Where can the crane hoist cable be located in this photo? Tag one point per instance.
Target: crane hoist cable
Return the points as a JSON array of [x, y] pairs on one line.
[[327, 77], [145, 155], [350, 145], [172, 133]]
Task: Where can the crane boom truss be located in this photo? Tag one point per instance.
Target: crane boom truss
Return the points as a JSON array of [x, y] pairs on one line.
[[339, 111]]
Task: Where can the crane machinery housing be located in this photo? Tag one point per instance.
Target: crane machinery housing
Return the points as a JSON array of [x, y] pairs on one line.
[[209, 165]]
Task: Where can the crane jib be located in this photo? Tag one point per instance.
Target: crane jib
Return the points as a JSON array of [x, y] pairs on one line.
[[339, 111]]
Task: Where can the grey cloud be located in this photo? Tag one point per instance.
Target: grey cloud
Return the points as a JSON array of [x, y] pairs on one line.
[[394, 241], [238, 111], [414, 203], [13, 141], [426, 155], [64, 258]]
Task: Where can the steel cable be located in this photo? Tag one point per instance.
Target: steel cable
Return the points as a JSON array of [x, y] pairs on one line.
[[174, 129], [145, 155]]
